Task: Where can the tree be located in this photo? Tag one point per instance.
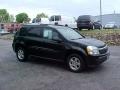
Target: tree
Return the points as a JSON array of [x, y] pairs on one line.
[[22, 18], [41, 15], [11, 18], [4, 16]]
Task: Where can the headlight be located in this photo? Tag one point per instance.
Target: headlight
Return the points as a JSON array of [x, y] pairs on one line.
[[92, 50]]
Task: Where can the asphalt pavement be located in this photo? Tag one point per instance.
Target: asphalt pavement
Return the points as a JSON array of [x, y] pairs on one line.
[[37, 74]]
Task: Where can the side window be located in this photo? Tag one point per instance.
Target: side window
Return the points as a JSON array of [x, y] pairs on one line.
[[35, 32], [50, 34], [57, 18], [47, 34], [52, 18], [55, 36], [2, 26]]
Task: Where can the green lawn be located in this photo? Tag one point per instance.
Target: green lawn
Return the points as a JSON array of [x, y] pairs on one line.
[[111, 37]]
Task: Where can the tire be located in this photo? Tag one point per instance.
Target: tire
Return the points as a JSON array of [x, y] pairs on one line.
[[56, 23], [75, 63], [100, 28], [88, 28], [21, 54], [79, 29], [66, 25]]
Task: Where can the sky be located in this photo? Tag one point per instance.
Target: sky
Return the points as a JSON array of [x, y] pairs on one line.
[[72, 8]]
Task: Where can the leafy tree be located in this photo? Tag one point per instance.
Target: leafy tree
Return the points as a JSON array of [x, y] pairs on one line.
[[41, 15], [4, 16], [22, 18], [11, 18]]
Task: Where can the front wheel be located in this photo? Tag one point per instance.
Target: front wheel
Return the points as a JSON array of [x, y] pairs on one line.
[[100, 28], [75, 63], [21, 54]]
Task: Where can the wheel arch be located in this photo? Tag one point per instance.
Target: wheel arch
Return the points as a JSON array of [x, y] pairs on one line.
[[81, 53], [19, 45]]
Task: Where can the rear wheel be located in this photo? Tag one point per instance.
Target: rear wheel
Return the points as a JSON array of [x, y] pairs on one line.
[[66, 25], [79, 29], [75, 63], [21, 54]]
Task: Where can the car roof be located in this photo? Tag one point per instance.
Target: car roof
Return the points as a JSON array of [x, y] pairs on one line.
[[43, 25]]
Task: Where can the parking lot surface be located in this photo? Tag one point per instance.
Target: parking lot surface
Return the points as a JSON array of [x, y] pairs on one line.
[[37, 74]]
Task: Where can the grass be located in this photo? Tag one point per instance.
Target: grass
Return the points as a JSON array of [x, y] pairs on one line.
[[7, 37], [110, 37]]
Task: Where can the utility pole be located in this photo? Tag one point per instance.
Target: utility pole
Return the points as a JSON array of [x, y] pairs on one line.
[[101, 12]]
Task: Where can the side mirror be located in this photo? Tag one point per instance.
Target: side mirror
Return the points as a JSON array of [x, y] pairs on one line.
[[57, 39]]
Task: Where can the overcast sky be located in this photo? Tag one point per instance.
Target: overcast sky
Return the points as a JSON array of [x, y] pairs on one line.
[[65, 7]]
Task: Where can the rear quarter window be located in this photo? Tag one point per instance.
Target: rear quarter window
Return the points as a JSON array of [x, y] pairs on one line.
[[35, 32], [23, 31]]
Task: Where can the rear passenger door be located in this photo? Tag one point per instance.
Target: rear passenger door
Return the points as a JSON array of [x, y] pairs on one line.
[[33, 39]]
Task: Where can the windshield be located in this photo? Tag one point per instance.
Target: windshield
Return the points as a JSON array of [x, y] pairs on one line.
[[69, 33]]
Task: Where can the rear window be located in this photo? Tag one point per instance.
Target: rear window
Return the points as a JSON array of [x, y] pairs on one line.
[[84, 18], [2, 26], [57, 18], [35, 32], [51, 18]]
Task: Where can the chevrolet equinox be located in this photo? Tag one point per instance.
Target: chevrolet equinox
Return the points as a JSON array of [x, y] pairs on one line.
[[59, 43]]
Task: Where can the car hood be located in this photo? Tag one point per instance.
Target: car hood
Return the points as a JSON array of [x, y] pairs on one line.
[[90, 42]]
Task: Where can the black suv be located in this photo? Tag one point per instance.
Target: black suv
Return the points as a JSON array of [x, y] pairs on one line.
[[85, 22], [59, 43]]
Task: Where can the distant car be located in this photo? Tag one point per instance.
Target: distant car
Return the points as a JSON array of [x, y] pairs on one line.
[[110, 26], [85, 22], [64, 21], [41, 20], [97, 25]]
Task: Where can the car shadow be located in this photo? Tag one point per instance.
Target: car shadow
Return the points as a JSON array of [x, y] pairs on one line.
[[48, 63], [62, 66], [96, 69]]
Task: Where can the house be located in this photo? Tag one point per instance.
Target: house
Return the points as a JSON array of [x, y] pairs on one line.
[[109, 18], [10, 27]]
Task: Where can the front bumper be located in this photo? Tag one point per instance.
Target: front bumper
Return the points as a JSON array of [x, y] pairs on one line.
[[96, 60]]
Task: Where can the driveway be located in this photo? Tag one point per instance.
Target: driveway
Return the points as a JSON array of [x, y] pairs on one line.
[[39, 74]]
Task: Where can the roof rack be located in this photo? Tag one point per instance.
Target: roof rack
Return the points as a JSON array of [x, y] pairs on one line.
[[39, 24]]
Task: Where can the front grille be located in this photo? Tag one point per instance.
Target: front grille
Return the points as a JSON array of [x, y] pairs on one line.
[[103, 50]]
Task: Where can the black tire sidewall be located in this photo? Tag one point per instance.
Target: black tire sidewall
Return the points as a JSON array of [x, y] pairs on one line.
[[81, 62]]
